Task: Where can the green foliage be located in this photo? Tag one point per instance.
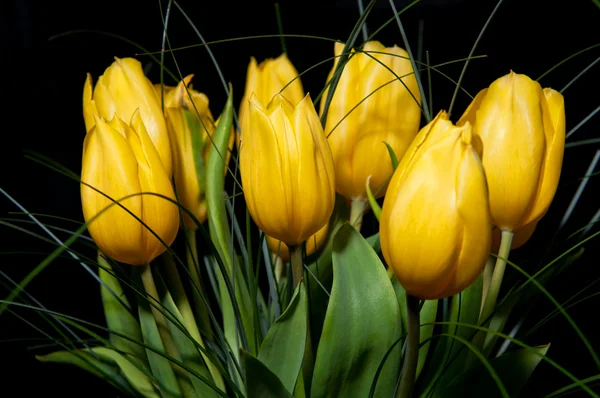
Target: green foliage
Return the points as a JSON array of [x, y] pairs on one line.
[[361, 324]]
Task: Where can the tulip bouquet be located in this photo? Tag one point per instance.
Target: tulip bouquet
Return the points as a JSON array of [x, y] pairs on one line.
[[231, 256]]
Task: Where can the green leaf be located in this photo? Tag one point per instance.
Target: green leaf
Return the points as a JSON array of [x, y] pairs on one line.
[[361, 324], [160, 366], [119, 318], [322, 269], [282, 350], [449, 355], [138, 380], [372, 201], [514, 369], [221, 238], [83, 359], [260, 381], [190, 354], [393, 157]]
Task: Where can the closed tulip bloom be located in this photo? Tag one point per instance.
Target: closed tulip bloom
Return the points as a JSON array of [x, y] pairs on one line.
[[120, 91], [266, 79], [287, 169], [313, 244], [435, 224], [357, 130], [120, 160], [190, 124], [522, 127]]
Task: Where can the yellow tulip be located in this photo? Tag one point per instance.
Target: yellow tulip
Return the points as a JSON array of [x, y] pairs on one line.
[[120, 91], [313, 244], [120, 160], [389, 113], [520, 237], [266, 79], [189, 133], [435, 224], [522, 127], [286, 169]]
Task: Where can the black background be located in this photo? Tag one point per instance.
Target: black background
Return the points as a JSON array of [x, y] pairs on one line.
[[42, 89]]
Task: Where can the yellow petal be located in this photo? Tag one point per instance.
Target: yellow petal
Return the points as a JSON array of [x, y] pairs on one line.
[[160, 215], [110, 166], [511, 127], [433, 213], [121, 90], [553, 109], [89, 106]]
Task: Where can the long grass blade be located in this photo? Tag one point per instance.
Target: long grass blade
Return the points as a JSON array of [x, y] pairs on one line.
[[426, 112], [464, 70]]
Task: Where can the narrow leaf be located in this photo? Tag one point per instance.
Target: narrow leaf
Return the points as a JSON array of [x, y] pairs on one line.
[[118, 317]]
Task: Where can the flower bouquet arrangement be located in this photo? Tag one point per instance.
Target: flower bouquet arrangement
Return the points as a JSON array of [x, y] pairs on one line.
[[229, 247]]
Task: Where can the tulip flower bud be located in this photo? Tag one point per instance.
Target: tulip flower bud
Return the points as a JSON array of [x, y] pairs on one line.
[[520, 237], [287, 169], [523, 132], [435, 224], [120, 160], [267, 79], [120, 91], [190, 124], [313, 244], [371, 106]]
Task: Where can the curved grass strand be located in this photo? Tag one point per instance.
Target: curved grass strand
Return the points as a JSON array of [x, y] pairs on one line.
[[464, 70], [567, 59]]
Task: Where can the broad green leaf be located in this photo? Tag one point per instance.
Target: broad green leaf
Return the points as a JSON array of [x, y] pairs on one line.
[[426, 318], [449, 355], [373, 241], [282, 349], [361, 324], [260, 381], [322, 269], [190, 354], [118, 317], [90, 363], [138, 380], [514, 369], [160, 366]]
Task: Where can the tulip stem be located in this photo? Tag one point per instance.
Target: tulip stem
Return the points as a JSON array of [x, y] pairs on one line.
[[297, 264], [159, 317], [193, 268], [487, 278], [411, 357], [497, 276], [357, 210], [187, 315]]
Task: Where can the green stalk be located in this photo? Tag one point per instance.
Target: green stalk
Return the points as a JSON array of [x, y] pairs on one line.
[[161, 320], [189, 321], [497, 276], [409, 368], [357, 211], [297, 264], [199, 304], [487, 279]]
